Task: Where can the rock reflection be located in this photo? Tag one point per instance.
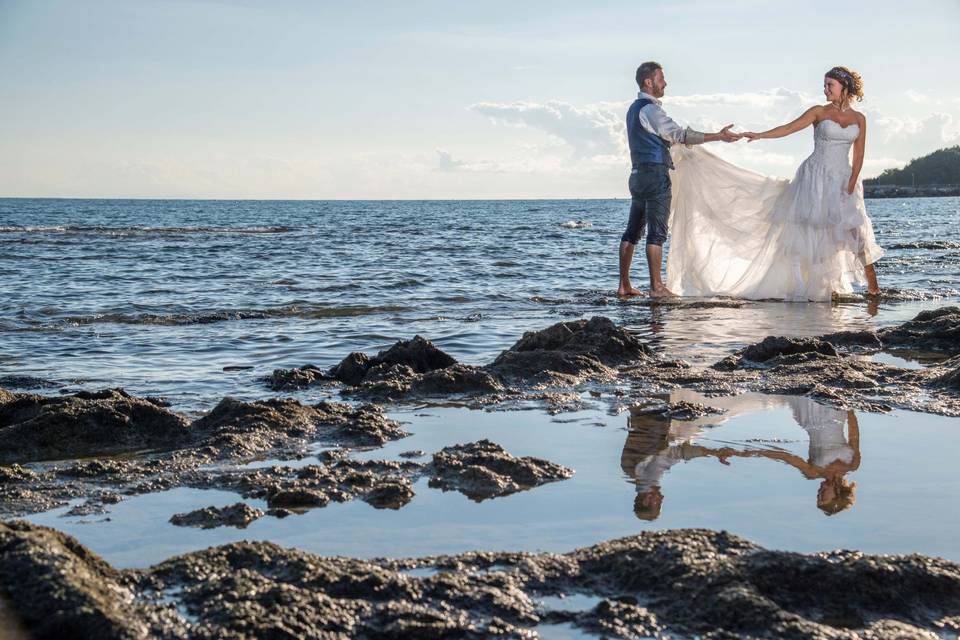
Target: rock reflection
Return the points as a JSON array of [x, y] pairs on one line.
[[657, 440]]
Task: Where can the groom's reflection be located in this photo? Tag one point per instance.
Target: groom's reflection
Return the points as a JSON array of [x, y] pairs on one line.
[[655, 443]]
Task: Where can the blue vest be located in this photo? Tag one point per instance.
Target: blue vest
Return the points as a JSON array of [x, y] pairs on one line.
[[645, 147]]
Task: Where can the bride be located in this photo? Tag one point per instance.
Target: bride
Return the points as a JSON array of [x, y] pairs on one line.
[[735, 232]]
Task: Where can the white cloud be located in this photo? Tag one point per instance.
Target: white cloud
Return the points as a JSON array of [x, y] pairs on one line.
[[591, 137], [916, 97], [593, 130]]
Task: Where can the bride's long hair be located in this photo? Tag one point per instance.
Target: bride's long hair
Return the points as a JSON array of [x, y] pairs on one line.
[[851, 82]]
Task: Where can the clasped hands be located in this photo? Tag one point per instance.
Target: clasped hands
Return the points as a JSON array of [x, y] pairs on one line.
[[729, 136]]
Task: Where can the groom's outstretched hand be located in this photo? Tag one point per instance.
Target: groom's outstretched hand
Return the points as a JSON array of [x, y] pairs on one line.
[[728, 136]]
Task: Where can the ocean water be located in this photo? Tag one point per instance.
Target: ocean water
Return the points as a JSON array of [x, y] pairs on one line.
[[196, 300]]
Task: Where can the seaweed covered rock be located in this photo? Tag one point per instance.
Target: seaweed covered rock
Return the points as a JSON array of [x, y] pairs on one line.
[[34, 427]]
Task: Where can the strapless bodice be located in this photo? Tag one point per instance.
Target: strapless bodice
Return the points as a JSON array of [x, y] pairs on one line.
[[833, 140]]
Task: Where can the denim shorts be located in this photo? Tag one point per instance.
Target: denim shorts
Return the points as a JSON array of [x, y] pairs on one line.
[[649, 204]]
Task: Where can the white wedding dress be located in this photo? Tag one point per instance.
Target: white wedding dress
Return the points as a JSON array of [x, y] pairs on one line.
[[737, 233]]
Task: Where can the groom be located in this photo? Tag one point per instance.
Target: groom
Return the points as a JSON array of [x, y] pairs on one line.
[[650, 132]]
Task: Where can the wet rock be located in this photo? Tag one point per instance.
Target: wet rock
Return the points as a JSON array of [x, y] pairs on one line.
[[950, 379], [775, 347], [236, 428], [483, 469], [59, 589], [682, 410], [691, 583], [352, 369], [86, 423], [612, 618], [298, 498], [294, 379], [419, 354], [236, 515], [390, 494], [853, 339], [585, 348], [457, 379], [935, 330]]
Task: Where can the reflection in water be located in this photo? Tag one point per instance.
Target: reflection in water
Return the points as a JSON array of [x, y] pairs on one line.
[[703, 335], [655, 443]]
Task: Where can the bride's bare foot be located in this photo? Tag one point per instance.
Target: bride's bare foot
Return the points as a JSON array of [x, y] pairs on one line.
[[873, 293], [627, 292], [661, 291]]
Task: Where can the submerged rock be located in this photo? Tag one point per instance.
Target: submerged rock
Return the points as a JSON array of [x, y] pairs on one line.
[[236, 515], [690, 582], [483, 469], [36, 427]]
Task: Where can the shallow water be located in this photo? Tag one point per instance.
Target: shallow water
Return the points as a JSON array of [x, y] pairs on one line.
[[197, 300]]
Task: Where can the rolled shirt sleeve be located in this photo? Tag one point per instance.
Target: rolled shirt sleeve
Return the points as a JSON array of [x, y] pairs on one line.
[[655, 120]]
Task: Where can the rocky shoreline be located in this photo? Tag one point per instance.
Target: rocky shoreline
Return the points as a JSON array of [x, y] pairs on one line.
[[666, 584], [99, 448]]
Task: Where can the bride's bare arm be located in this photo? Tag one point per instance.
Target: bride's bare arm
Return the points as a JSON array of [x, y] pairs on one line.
[[858, 148], [804, 121]]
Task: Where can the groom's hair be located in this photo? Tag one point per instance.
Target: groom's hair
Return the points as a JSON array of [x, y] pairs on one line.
[[646, 71]]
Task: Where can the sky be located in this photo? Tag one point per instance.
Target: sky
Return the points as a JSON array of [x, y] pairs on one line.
[[300, 99]]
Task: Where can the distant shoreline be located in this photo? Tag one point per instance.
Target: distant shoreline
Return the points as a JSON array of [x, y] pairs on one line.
[[900, 191]]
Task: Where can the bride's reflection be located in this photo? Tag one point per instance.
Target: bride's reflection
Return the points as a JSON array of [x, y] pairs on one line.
[[655, 443]]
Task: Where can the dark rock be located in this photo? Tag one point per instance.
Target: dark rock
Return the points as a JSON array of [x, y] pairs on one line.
[[935, 330], [950, 379], [692, 583], [236, 515], [419, 354], [293, 379], [457, 379], [241, 428], [483, 469], [847, 339], [60, 590], [86, 423], [390, 494], [580, 349], [777, 346], [298, 498], [681, 410], [352, 369]]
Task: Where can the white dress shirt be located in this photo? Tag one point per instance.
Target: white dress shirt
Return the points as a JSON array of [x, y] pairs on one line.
[[655, 120]]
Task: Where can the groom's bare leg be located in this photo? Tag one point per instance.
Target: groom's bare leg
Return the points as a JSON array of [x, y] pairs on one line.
[[654, 262], [626, 259]]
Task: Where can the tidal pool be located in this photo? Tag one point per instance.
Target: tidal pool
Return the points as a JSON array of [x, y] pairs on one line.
[[783, 471]]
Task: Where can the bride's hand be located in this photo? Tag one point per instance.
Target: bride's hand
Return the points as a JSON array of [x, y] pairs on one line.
[[851, 187], [750, 135]]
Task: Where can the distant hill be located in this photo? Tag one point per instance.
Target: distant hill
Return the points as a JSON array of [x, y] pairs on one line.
[[938, 168]]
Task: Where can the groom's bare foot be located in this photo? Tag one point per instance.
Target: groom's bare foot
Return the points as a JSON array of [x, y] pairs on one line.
[[626, 292], [661, 291], [873, 293]]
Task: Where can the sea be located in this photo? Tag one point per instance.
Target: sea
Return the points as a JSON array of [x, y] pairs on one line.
[[195, 300]]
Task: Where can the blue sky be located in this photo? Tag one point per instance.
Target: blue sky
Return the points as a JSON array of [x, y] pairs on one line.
[[296, 99]]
